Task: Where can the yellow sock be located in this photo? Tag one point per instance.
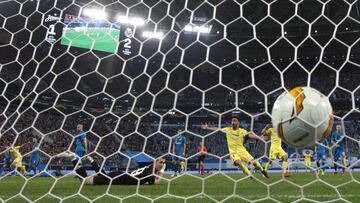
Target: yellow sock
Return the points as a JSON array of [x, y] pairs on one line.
[[284, 166], [258, 166], [344, 161], [267, 166], [22, 169], [245, 169]]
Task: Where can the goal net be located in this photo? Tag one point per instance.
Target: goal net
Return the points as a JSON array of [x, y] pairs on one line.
[[117, 80]]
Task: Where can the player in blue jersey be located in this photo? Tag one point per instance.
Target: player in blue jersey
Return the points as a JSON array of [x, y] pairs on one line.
[[7, 159], [320, 150], [35, 156], [338, 141], [81, 148], [179, 146]]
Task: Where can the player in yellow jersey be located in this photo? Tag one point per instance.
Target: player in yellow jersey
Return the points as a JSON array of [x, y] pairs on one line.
[[17, 158], [235, 139], [307, 159], [276, 151]]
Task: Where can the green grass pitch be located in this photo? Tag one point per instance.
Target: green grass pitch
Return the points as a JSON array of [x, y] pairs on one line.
[[103, 39], [232, 188]]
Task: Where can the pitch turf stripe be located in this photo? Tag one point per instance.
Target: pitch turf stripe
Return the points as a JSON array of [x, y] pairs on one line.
[[213, 196]]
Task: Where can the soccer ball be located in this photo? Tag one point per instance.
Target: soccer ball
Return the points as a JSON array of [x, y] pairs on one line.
[[302, 117]]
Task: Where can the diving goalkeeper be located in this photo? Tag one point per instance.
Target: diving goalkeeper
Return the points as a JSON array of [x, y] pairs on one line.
[[149, 174]]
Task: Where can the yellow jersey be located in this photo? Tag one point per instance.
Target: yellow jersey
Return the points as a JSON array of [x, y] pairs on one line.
[[235, 139], [15, 152], [308, 157], [275, 139]]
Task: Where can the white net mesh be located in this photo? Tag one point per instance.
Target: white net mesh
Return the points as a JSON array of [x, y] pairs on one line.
[[134, 72]]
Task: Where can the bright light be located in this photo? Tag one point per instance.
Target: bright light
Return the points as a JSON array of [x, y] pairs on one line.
[[95, 13], [202, 29], [189, 28], [137, 21], [123, 19], [132, 21], [157, 35]]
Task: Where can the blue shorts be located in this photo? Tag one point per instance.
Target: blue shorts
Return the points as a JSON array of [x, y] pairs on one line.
[[338, 154], [320, 156], [80, 152]]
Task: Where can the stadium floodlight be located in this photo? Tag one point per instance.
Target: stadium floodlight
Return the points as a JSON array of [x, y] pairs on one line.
[[137, 21], [157, 35], [123, 19], [133, 21], [202, 29], [95, 13]]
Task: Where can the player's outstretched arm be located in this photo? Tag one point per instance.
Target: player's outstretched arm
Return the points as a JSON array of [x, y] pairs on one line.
[[265, 129], [85, 143], [160, 174], [205, 126], [21, 146], [254, 136]]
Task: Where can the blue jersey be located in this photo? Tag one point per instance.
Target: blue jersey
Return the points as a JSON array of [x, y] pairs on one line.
[[321, 148], [179, 142], [80, 141], [7, 158], [36, 153], [338, 138]]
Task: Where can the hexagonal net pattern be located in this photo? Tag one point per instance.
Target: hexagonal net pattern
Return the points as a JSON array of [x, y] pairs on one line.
[[134, 72]]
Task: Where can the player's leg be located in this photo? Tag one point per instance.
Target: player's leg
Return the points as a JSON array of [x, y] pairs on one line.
[[179, 166], [202, 166], [308, 165], [17, 165], [343, 162], [258, 166], [267, 165], [21, 168], [241, 166], [33, 165], [271, 159], [284, 158], [336, 158], [322, 164], [318, 165], [236, 159], [7, 166], [335, 167], [199, 164], [182, 163], [36, 166], [175, 165], [247, 158], [281, 154]]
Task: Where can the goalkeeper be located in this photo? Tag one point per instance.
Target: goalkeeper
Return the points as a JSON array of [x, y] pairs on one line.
[[150, 174], [235, 137]]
